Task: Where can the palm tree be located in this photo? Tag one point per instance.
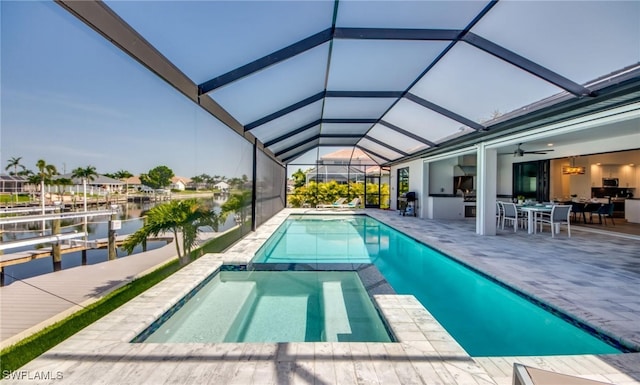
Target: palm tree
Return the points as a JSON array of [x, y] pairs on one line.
[[86, 174], [197, 180], [237, 204], [14, 163], [123, 175], [179, 216], [45, 172]]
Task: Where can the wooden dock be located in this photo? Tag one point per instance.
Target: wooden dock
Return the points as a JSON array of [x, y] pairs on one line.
[[73, 246]]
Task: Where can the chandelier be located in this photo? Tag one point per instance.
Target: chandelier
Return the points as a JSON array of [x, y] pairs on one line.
[[573, 169]]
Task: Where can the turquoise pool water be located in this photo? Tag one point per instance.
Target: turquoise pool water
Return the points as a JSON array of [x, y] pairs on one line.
[[486, 318], [261, 306]]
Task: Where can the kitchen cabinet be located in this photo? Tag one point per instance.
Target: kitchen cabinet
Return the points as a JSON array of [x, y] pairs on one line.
[[627, 176], [596, 176], [611, 171], [445, 207]]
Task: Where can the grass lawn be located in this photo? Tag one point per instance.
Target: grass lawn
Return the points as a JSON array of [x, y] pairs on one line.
[[8, 198]]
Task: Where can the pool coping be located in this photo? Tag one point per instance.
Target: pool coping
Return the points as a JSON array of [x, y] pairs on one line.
[[102, 351]]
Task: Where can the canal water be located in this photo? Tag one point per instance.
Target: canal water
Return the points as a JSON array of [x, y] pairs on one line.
[[130, 216]]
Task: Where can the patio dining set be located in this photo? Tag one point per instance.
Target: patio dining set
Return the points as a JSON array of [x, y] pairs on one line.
[[534, 216]]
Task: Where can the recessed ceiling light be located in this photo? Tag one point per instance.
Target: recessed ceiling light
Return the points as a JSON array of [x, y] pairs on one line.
[[631, 164], [598, 164], [549, 144]]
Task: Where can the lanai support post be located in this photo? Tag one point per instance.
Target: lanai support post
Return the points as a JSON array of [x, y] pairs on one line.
[[486, 190]]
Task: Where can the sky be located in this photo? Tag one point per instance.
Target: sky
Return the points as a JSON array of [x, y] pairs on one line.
[[70, 97]]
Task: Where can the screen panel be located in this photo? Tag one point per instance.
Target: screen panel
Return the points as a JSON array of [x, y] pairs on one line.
[[424, 122], [408, 14], [472, 83], [288, 122], [345, 128], [270, 187], [338, 141], [379, 65], [367, 144], [580, 40], [335, 108], [293, 139], [396, 139], [276, 87], [253, 28]]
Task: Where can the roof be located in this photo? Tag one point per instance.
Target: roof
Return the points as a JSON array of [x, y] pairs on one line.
[[393, 79], [12, 178], [97, 180], [182, 179], [133, 180], [348, 154]]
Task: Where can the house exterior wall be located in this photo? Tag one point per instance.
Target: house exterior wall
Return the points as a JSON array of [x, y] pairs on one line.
[[416, 183]]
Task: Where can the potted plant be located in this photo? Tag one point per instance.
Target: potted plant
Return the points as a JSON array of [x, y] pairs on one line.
[[520, 199]]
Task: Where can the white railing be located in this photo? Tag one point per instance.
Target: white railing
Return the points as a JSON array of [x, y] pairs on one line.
[[39, 240]]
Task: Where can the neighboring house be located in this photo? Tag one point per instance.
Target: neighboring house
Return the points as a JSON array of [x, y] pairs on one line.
[[133, 183], [10, 184], [290, 185], [99, 185], [342, 166], [222, 186], [179, 183]]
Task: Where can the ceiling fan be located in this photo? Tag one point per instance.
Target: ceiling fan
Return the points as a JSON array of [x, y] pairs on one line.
[[520, 152]]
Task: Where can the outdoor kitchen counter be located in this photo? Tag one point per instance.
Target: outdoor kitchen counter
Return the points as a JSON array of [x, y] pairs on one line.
[[445, 207]]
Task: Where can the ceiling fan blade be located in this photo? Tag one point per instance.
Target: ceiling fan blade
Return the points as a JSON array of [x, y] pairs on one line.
[[537, 152]]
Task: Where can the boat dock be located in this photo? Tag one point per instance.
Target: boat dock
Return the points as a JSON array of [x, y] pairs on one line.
[[71, 247]]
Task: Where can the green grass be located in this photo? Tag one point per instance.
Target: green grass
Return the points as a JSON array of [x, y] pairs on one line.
[[15, 356], [7, 198]]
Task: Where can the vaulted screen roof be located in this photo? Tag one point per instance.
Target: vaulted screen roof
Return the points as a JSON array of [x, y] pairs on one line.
[[392, 78]]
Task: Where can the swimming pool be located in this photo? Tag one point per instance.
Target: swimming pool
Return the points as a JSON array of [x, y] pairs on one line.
[[485, 317], [262, 306]]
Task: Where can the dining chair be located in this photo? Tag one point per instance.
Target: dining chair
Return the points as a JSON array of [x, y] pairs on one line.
[[559, 216], [509, 213], [499, 213], [605, 211], [578, 208]]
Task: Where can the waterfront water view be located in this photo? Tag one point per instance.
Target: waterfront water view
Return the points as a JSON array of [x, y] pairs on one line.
[[130, 215]]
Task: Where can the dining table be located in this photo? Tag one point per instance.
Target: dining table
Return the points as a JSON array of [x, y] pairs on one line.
[[532, 212]]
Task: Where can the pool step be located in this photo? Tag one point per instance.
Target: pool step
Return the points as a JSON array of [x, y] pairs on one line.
[[336, 319], [211, 316]]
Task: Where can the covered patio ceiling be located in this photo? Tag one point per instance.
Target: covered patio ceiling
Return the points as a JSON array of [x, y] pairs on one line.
[[396, 79]]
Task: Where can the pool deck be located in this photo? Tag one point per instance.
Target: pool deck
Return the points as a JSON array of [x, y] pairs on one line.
[[595, 277]]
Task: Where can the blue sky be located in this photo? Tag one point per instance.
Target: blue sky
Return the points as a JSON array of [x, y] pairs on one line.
[[70, 97]]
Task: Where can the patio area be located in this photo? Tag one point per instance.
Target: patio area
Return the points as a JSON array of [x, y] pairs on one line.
[[594, 277]]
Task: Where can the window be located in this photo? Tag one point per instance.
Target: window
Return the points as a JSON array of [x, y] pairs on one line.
[[531, 180], [403, 180]]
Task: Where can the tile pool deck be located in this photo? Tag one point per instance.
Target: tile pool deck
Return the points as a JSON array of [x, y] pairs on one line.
[[593, 276]]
